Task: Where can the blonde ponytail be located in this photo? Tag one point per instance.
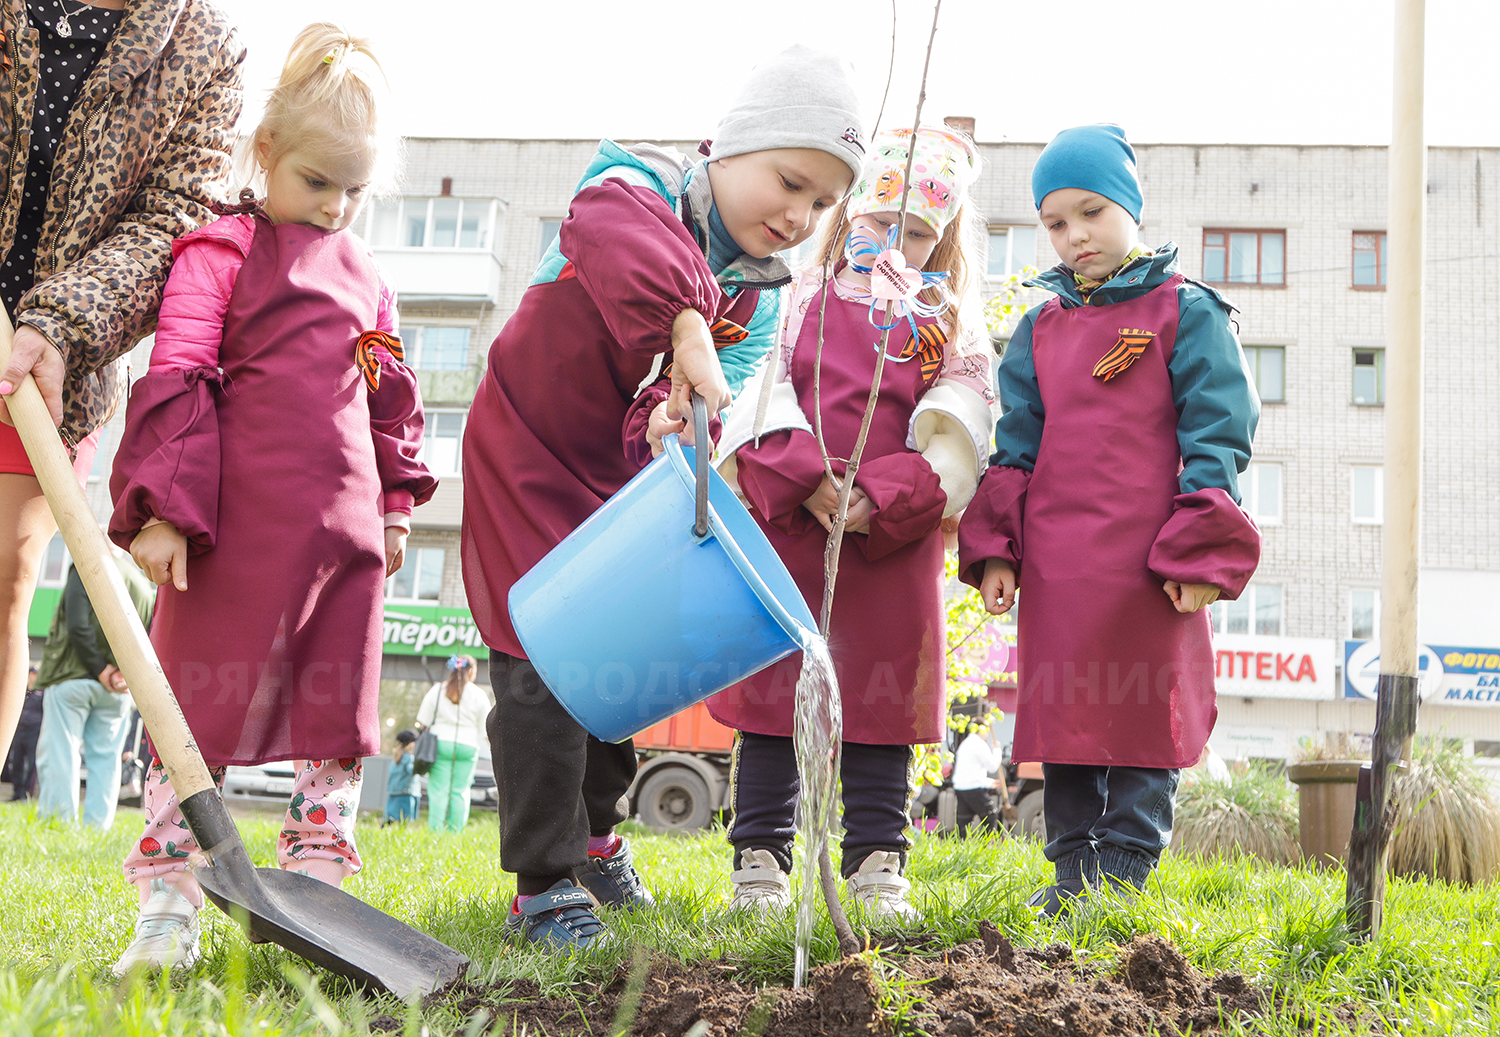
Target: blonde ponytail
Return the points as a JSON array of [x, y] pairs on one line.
[[327, 102]]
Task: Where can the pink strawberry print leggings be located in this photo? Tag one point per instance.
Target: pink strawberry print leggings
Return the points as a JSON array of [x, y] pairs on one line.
[[317, 834]]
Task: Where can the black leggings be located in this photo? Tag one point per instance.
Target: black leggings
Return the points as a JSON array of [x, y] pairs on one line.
[[557, 783], [877, 799]]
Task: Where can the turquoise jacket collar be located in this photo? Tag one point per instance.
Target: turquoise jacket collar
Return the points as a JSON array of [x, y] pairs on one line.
[[685, 186], [1139, 277]]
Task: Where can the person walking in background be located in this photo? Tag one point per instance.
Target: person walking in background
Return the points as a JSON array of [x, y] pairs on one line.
[[455, 710], [975, 766], [20, 765], [117, 128], [402, 786], [87, 702], [266, 478]]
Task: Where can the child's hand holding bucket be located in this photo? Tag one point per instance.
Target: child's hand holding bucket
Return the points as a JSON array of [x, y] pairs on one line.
[[695, 368]]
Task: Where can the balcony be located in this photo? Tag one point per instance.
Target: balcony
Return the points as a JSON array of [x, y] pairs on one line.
[[448, 387], [453, 276]]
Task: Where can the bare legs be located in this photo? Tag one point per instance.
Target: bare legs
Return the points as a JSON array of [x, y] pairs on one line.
[[25, 527]]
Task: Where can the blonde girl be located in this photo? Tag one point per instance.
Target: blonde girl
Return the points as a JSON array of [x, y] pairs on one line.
[[927, 445], [266, 480]]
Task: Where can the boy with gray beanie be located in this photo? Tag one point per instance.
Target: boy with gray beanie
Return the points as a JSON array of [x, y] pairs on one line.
[[661, 281], [1113, 499]]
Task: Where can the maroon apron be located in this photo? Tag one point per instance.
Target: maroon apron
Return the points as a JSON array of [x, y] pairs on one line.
[[887, 632], [274, 649], [1110, 673]]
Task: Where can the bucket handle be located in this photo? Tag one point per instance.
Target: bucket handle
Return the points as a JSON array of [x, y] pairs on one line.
[[704, 446]]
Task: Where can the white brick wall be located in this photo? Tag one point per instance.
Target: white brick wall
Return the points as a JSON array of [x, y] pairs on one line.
[[1319, 196]]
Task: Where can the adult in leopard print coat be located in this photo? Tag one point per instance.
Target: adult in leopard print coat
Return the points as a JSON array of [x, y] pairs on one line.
[[116, 123]]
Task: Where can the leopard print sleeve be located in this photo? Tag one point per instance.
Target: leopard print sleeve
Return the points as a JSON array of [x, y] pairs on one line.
[[108, 289]]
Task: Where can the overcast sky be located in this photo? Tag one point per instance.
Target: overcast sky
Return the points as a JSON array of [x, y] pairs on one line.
[[1187, 71]]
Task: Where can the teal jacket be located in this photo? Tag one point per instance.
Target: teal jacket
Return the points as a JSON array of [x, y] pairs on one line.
[[1212, 387], [685, 187]]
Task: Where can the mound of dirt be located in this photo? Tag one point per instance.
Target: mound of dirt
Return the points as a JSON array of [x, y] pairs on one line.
[[985, 986]]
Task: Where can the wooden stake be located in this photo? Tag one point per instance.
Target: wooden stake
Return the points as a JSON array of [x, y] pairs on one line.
[[1397, 690]]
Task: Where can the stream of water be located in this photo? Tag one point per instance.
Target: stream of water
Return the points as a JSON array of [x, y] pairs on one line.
[[819, 724]]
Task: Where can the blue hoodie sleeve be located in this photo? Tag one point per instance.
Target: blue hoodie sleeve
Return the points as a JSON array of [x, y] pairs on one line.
[[739, 359], [1217, 405], [1018, 433]]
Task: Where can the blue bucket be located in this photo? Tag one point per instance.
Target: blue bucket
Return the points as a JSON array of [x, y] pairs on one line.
[[636, 616]]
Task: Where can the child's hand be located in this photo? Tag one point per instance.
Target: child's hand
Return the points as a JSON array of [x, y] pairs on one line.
[[857, 520], [161, 552], [824, 504], [695, 366], [1190, 597], [659, 426], [395, 549], [998, 588]]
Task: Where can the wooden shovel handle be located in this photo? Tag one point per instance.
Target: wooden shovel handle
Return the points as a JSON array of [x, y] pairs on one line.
[[134, 655]]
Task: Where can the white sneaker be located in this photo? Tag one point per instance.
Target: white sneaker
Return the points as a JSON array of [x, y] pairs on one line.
[[879, 888], [166, 933], [760, 886]]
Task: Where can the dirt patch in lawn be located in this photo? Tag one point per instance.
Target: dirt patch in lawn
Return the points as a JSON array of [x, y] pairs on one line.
[[985, 986]]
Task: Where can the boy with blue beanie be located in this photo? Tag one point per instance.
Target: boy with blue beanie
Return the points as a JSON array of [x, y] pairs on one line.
[[1113, 499]]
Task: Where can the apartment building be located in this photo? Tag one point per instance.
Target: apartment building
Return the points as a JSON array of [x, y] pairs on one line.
[[1294, 237]]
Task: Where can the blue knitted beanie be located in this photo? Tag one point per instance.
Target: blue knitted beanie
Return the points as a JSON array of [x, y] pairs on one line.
[[1094, 158]]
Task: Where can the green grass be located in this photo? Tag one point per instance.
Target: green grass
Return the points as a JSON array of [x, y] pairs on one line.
[[68, 914]]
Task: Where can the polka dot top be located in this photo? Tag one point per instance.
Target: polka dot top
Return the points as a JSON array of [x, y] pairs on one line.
[[73, 36]]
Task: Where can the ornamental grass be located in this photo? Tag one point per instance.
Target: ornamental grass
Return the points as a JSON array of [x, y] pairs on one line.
[[1253, 814], [1447, 817]]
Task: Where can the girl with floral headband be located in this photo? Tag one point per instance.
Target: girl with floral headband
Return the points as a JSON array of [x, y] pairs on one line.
[[266, 480], [927, 447]]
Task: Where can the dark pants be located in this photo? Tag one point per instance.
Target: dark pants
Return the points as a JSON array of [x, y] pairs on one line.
[[877, 797], [1109, 821], [557, 783], [20, 765], [977, 803]]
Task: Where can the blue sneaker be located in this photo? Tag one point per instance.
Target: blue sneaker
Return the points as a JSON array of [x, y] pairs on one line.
[[614, 881], [562, 918]]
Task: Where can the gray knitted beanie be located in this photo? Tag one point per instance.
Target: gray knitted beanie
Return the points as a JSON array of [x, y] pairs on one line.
[[801, 98]]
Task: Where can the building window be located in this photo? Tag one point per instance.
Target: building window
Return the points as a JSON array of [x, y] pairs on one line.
[[1012, 249], [1369, 376], [1244, 256], [1258, 610], [1364, 613], [431, 223], [432, 347], [420, 577], [550, 230], [1369, 259], [1368, 483], [54, 563], [441, 445], [1268, 367], [1261, 489]]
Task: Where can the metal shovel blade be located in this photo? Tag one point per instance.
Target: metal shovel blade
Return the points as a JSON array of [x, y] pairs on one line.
[[327, 926]]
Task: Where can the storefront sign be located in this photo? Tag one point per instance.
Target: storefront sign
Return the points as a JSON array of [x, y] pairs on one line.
[[1273, 667], [989, 656], [429, 630], [1451, 675]]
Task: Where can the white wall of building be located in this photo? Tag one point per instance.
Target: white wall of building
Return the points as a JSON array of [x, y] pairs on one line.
[[1315, 552]]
